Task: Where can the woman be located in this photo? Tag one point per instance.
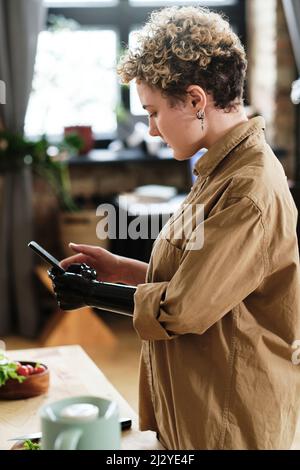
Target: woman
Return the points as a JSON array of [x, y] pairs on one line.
[[217, 320]]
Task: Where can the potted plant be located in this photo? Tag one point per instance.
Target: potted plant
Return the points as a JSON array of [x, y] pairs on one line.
[[16, 151], [85, 133]]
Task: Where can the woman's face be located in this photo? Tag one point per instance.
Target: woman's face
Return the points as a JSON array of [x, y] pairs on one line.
[[177, 126]]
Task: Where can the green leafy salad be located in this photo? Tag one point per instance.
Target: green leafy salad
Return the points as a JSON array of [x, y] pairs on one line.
[[8, 370]]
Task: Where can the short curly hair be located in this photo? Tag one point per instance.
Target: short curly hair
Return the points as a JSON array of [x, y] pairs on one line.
[[181, 46]]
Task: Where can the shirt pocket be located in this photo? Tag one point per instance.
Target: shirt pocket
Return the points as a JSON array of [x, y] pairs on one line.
[[181, 231], [165, 260]]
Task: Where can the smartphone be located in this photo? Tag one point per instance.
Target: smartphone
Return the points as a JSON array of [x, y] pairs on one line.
[[46, 256], [125, 424]]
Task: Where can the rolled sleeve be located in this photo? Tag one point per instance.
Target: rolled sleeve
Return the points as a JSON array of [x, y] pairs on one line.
[[147, 300], [210, 281]]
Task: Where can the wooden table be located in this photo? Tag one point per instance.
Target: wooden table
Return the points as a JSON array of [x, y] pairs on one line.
[[72, 373]]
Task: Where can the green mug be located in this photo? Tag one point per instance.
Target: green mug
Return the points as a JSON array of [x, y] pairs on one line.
[[81, 423]]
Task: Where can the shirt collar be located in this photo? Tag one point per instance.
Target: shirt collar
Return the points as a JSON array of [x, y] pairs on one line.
[[220, 149]]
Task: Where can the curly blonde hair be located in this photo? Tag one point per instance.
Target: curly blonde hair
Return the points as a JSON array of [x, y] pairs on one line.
[[181, 46]]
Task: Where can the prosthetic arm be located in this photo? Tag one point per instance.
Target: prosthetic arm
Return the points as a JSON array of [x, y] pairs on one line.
[[78, 287]]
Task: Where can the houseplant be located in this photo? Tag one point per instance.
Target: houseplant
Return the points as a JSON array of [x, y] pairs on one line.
[[46, 159]]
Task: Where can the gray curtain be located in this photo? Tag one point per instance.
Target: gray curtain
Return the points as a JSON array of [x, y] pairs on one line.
[[20, 23]]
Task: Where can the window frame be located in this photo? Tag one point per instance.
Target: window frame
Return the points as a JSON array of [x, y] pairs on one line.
[[123, 16]]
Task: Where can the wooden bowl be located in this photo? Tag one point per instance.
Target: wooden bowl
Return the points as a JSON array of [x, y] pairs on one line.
[[33, 386]]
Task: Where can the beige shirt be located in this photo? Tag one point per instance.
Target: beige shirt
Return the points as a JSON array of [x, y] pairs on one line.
[[219, 322]]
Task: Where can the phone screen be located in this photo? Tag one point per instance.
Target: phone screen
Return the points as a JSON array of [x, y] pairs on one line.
[[46, 256]]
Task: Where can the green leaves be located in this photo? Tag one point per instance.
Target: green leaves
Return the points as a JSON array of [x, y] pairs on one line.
[[29, 445], [13, 149], [8, 370], [16, 151]]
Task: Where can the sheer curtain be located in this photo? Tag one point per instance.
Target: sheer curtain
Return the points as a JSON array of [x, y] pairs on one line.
[[20, 23]]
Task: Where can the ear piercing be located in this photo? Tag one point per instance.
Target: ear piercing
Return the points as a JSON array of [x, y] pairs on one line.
[[201, 115]]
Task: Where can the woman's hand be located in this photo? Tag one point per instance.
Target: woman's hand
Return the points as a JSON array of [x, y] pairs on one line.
[[107, 265]]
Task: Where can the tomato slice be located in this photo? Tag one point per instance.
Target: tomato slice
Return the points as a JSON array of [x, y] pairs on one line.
[[23, 370]]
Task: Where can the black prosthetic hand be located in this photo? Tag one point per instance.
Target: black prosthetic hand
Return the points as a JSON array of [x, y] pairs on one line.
[[78, 287]]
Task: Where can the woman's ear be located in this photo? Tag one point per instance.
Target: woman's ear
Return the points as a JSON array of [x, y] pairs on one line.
[[196, 97]]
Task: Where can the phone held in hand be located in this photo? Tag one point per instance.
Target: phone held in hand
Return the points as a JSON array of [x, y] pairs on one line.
[[46, 256]]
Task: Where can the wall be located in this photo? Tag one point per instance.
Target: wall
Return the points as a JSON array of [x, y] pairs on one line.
[[272, 69]]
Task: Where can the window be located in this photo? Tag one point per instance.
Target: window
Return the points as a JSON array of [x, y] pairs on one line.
[[80, 3], [75, 80], [135, 105], [181, 2]]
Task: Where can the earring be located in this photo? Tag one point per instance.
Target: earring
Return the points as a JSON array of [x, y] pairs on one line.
[[201, 115]]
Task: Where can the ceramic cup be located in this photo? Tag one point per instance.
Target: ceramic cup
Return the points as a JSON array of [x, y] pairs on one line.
[[81, 423]]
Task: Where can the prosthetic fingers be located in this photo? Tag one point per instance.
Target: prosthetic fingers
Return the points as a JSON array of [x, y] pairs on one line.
[[78, 287]]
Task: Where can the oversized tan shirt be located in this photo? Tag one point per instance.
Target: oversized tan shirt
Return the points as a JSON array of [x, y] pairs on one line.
[[218, 323]]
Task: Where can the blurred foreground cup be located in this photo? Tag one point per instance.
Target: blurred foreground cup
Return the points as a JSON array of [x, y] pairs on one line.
[[81, 423]]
